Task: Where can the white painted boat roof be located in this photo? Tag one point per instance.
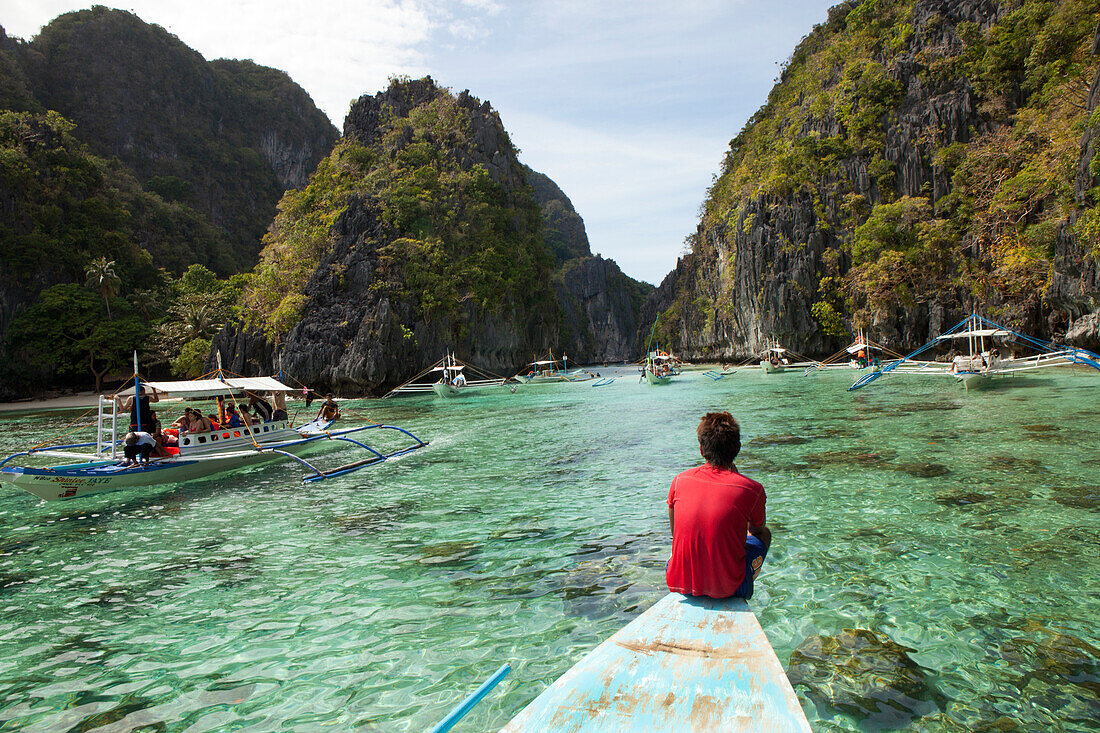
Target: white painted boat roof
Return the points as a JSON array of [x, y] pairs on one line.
[[685, 664], [856, 347], [214, 387], [976, 332]]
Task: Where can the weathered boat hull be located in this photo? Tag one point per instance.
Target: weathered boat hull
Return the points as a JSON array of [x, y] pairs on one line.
[[685, 664], [770, 368]]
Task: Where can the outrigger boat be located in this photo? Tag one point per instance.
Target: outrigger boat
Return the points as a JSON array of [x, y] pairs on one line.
[[859, 355], [198, 454], [448, 378], [774, 360], [982, 363], [660, 368], [549, 369]]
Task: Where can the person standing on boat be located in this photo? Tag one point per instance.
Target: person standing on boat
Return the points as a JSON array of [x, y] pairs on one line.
[[139, 407], [279, 399], [261, 406], [719, 539]]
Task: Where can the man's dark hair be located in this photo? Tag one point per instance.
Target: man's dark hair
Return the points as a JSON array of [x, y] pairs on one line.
[[719, 438]]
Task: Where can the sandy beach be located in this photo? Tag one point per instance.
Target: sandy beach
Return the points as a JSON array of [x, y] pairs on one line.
[[64, 402]]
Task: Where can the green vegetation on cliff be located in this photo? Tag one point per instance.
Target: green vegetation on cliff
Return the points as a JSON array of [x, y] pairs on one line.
[[224, 138], [987, 117], [121, 144], [447, 233]]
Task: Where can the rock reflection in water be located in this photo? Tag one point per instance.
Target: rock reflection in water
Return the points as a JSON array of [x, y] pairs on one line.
[[1057, 672], [863, 457], [923, 469], [374, 520], [448, 554], [781, 439], [865, 674]]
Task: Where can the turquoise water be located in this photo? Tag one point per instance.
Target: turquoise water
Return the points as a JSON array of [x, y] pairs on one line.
[[964, 527]]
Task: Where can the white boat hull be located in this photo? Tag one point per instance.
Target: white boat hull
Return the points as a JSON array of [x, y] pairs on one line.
[[98, 477], [445, 390], [770, 368]]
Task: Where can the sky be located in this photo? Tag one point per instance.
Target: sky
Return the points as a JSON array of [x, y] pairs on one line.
[[628, 105]]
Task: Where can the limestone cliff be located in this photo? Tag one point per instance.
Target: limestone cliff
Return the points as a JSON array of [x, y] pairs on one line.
[[601, 305], [420, 234], [916, 162]]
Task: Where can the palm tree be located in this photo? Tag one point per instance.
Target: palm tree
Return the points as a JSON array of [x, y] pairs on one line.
[[101, 275]]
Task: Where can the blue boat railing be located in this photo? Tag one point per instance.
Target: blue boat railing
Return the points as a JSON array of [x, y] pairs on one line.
[[468, 704]]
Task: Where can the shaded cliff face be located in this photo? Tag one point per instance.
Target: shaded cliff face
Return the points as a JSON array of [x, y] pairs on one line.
[[601, 305], [225, 138], [417, 235], [915, 163]]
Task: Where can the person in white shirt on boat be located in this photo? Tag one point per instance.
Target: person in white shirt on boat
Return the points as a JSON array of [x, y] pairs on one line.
[[460, 380], [138, 444]]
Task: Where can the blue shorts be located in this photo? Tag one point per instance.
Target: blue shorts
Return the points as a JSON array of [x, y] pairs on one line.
[[755, 552]]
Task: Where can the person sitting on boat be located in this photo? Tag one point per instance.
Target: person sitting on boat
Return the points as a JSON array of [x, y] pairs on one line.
[[329, 409], [139, 408], [138, 444], [180, 422], [261, 406], [161, 438], [195, 422], [460, 380], [719, 539], [231, 419]]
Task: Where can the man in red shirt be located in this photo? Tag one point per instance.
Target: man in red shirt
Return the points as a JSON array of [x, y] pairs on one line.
[[719, 540]]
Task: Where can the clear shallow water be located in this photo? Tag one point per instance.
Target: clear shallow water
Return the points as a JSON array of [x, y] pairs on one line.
[[962, 526]]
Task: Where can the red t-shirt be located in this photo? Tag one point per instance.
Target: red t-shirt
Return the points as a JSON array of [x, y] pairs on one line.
[[712, 509]]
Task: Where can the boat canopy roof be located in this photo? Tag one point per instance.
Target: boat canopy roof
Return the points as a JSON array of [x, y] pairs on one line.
[[856, 347], [779, 349], [540, 363], [976, 332], [214, 387]]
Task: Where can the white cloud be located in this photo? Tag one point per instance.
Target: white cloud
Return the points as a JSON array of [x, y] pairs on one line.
[[335, 49], [638, 190]]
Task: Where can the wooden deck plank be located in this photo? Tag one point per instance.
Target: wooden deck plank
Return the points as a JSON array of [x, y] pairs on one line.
[[686, 664]]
